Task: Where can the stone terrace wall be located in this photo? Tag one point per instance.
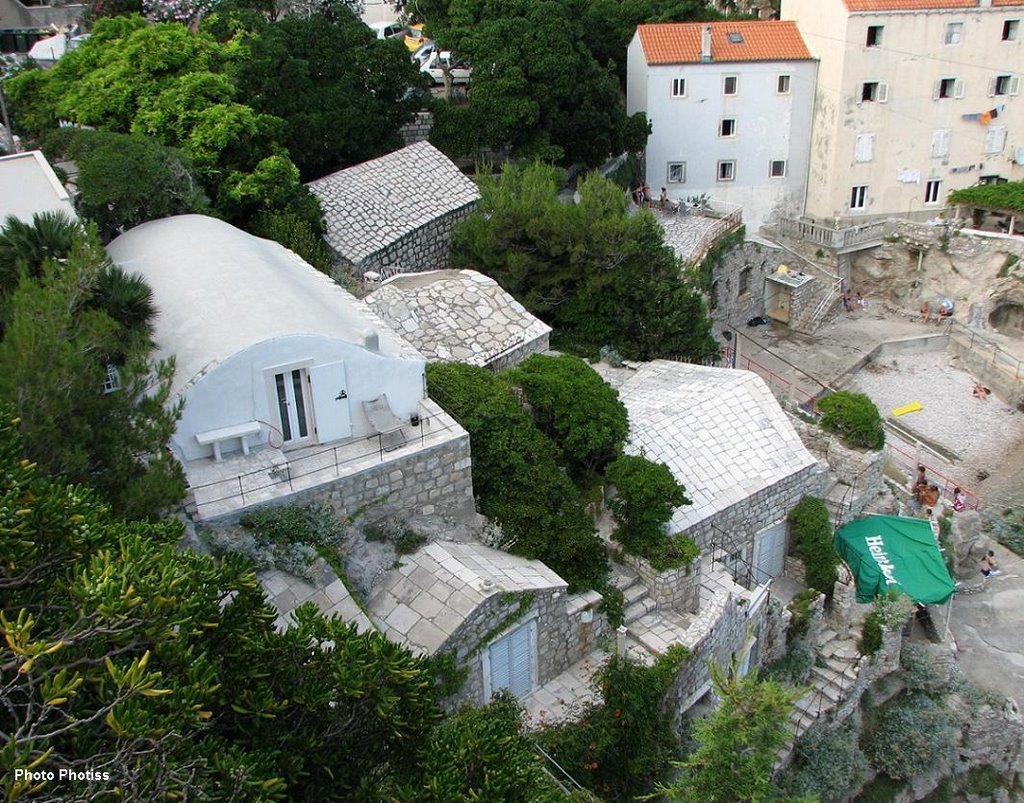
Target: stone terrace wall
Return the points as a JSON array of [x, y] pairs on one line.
[[515, 356], [418, 129], [430, 481], [734, 528], [857, 468], [730, 306], [678, 589], [427, 248]]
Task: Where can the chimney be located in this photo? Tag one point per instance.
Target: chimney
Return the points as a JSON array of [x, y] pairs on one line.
[[705, 45]]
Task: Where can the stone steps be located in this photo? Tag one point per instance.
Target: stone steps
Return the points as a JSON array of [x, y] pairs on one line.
[[634, 592], [638, 609]]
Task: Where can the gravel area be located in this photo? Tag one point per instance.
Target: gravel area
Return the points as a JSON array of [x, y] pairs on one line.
[[981, 432]]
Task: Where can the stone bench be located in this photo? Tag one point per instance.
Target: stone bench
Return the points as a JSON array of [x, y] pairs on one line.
[[217, 436]]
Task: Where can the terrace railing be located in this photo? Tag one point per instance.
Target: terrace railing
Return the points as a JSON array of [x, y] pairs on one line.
[[837, 239]]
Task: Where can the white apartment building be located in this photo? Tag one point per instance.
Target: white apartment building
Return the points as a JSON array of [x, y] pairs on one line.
[[915, 98], [730, 106]]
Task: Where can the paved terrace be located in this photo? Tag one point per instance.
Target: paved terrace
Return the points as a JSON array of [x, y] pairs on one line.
[[267, 474], [690, 233]]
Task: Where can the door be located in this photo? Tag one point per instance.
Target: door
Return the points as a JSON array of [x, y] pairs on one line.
[[329, 392], [293, 406], [770, 552], [511, 659]]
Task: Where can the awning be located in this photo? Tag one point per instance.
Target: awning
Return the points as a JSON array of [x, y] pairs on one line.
[[886, 552]]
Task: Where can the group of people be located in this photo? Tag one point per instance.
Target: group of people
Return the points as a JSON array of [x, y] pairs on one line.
[[645, 199], [926, 494], [853, 301], [980, 391], [937, 312]]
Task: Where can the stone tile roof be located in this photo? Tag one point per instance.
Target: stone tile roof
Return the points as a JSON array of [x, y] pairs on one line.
[[286, 592], [914, 5], [436, 589], [763, 40], [457, 315], [720, 430], [373, 204]]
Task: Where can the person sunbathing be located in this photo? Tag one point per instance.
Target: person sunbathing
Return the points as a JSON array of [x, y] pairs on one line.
[[980, 391]]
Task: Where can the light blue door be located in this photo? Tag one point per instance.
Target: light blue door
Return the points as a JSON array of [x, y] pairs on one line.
[[511, 659]]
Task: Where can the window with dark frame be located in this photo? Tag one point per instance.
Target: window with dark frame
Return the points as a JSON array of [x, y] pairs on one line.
[[726, 170], [727, 127], [777, 168], [931, 191], [679, 87], [859, 196], [730, 85], [874, 37], [1010, 28], [782, 88], [676, 173]]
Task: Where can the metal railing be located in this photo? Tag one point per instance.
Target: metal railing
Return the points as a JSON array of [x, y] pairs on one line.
[[1000, 359], [947, 485], [830, 237], [302, 465], [826, 302], [742, 571], [785, 389]]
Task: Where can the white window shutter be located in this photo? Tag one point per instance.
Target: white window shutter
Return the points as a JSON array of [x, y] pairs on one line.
[[992, 87], [883, 93], [1015, 85], [958, 88], [940, 142], [995, 139], [937, 90], [865, 148]]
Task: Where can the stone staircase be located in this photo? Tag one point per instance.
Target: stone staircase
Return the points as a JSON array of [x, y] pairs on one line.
[[833, 675]]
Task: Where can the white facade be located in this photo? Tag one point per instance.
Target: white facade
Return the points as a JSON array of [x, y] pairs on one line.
[[903, 113], [261, 338], [737, 131]]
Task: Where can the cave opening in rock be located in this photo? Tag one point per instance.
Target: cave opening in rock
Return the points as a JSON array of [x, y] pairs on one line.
[[1008, 319]]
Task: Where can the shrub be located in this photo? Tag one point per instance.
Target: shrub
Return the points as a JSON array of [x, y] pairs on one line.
[[794, 667], [613, 603], [396, 532], [913, 736], [812, 540], [316, 525], [854, 417], [828, 762], [646, 494]]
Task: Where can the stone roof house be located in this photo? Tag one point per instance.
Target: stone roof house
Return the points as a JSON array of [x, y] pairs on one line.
[[286, 373], [395, 214], [28, 186], [460, 316], [727, 440]]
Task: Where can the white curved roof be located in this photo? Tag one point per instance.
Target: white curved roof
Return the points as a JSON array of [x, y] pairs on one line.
[[220, 290]]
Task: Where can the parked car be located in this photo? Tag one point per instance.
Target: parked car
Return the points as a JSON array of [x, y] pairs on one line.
[[433, 62], [387, 30], [414, 37]]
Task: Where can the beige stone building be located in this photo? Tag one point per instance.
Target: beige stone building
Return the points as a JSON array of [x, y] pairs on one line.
[[915, 98]]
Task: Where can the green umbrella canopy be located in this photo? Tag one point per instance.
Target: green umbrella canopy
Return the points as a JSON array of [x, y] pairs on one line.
[[886, 552]]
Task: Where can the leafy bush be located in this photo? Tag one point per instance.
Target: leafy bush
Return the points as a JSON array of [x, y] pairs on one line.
[[316, 525], [913, 735], [624, 745], [828, 763], [613, 603], [812, 540], [517, 477], [870, 640], [646, 494], [794, 667], [394, 531], [854, 417], [575, 407]]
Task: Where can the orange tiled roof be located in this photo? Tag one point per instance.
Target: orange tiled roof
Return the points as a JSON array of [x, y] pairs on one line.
[[912, 5], [679, 42], [1007, 3]]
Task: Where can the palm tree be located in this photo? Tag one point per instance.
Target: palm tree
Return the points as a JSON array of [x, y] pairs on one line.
[[126, 298], [25, 247]]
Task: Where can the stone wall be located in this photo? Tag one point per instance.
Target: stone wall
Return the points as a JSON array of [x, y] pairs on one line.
[[433, 480], [418, 129], [979, 364], [427, 248], [515, 356], [730, 306], [734, 528], [678, 589], [568, 628]]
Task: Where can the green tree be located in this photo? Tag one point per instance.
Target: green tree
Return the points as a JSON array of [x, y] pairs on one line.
[[484, 754], [623, 745], [126, 180], [54, 359], [575, 407], [599, 275], [854, 417], [516, 475], [737, 743], [26, 247], [813, 541], [536, 89], [341, 93]]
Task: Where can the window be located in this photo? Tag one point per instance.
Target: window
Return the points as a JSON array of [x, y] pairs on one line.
[[676, 173], [782, 87], [745, 280], [727, 128], [954, 33], [940, 143], [995, 139], [679, 87], [730, 85], [112, 380], [874, 38], [1005, 85], [864, 149], [1010, 30], [290, 392], [948, 88], [874, 92], [859, 196], [931, 191], [726, 170], [777, 168]]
